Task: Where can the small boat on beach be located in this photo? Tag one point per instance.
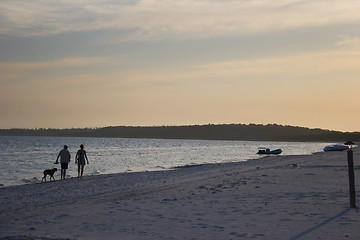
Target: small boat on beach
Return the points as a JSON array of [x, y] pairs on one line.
[[336, 147], [263, 150]]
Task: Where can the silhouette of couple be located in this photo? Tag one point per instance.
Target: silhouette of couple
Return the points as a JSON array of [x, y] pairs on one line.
[[65, 156]]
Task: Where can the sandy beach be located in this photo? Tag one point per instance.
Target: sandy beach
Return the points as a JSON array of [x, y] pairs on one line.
[[278, 197]]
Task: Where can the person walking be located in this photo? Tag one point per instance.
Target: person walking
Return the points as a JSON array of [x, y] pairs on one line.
[[64, 156], [80, 160]]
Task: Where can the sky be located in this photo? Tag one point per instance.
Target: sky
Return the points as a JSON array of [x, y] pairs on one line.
[[98, 63]]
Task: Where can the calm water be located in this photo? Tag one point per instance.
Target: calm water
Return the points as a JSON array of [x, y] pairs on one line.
[[23, 159]]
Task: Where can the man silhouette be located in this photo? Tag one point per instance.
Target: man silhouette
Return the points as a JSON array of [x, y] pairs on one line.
[[64, 156]]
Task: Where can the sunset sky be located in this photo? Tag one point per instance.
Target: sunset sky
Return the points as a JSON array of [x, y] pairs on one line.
[[88, 63]]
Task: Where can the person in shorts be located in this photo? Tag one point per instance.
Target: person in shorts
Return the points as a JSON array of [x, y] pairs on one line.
[[64, 156]]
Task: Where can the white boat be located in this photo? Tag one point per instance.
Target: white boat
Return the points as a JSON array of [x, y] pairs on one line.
[[336, 147]]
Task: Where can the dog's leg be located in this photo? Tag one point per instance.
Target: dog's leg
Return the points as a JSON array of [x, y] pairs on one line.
[[44, 178]]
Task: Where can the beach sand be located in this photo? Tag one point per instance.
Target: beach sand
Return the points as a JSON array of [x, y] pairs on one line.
[[278, 197]]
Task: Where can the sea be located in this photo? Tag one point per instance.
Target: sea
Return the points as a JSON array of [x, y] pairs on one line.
[[24, 158]]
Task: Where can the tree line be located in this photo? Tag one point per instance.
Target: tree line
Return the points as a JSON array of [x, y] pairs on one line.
[[244, 132]]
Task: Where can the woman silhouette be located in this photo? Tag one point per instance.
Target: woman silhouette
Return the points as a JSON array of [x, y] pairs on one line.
[[80, 160]]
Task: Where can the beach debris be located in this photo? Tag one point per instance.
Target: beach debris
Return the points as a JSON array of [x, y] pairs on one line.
[[295, 165]]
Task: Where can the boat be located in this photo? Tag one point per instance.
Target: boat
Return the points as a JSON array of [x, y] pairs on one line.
[[336, 147], [263, 150]]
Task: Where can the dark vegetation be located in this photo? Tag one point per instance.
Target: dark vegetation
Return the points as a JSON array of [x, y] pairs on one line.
[[251, 132]]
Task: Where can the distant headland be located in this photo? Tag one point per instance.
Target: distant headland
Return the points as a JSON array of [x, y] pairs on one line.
[[244, 132]]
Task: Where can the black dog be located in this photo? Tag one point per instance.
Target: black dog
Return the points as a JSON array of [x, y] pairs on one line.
[[49, 172]]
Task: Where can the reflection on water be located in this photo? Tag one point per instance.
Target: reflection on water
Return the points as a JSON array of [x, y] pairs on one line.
[[23, 159]]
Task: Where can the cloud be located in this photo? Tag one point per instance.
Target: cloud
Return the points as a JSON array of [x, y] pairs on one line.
[[172, 19], [65, 62], [295, 65], [24, 72], [349, 42], [115, 70], [317, 68]]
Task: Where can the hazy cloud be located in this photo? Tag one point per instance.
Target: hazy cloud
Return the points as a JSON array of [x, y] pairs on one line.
[[240, 60], [169, 19], [301, 64], [349, 41], [19, 72]]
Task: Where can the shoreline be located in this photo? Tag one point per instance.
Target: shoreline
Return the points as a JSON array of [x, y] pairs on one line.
[[35, 180], [274, 197], [114, 156]]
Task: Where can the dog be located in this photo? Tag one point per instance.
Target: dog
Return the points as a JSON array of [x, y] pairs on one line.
[[49, 172]]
